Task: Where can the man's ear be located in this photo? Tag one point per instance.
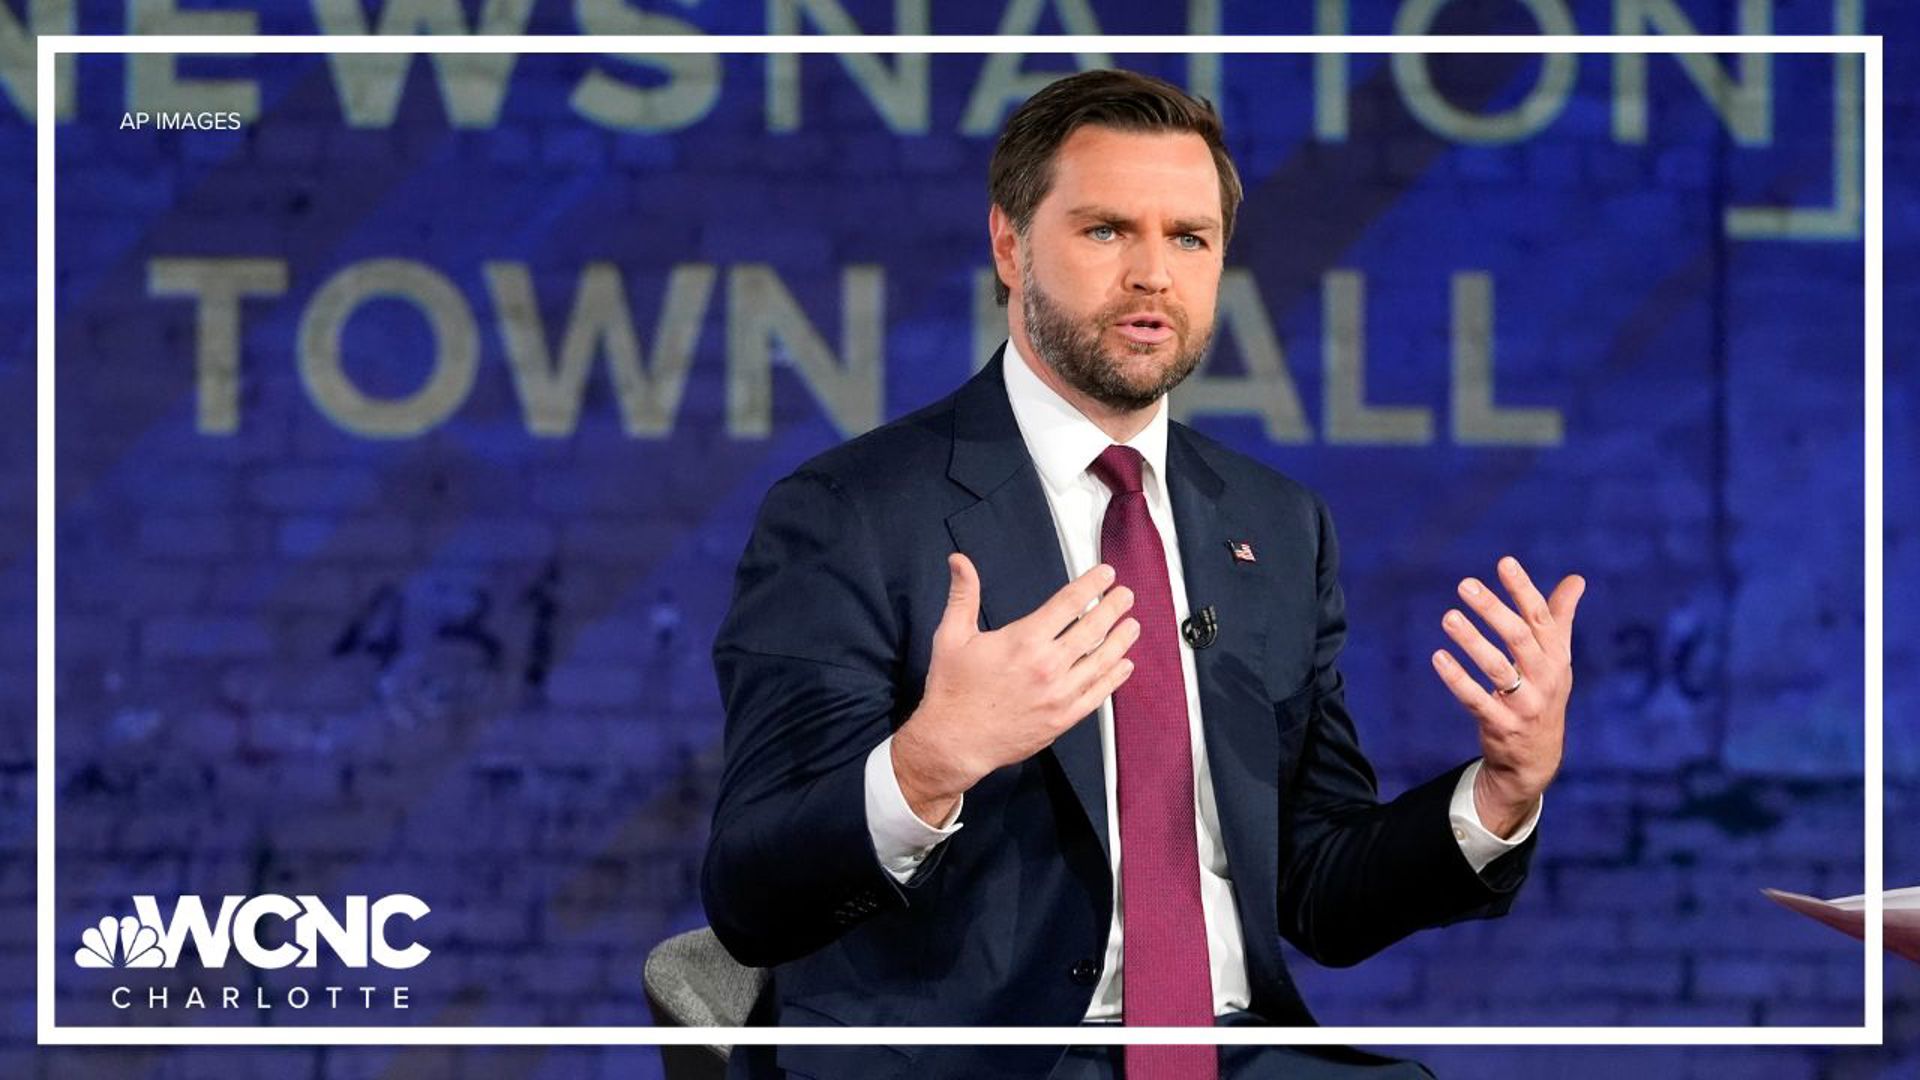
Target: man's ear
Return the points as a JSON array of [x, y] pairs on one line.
[[1006, 243]]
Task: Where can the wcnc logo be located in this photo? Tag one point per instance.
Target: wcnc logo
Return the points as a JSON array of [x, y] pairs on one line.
[[358, 936]]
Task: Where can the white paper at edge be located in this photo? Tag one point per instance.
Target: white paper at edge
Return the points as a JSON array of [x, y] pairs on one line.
[[1900, 916]]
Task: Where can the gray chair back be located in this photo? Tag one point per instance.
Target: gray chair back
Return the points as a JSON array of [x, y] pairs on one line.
[[692, 981]]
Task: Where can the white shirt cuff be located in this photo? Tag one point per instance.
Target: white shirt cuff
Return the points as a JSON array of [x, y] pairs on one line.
[[1478, 844], [900, 838]]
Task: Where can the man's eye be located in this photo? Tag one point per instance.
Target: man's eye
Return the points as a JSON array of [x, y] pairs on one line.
[[1190, 242], [1102, 232]]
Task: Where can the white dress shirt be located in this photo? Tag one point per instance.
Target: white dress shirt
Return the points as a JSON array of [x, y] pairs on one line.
[[1062, 443]]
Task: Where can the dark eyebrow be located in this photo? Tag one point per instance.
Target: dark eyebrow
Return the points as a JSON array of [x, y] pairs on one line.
[[1196, 225], [1179, 225]]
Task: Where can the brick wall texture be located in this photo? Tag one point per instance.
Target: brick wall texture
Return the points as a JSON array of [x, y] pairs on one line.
[[357, 594]]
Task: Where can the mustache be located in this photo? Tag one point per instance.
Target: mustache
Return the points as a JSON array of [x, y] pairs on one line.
[[1174, 313]]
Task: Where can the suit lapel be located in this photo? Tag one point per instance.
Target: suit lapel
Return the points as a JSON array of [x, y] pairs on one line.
[[1009, 535], [1237, 724]]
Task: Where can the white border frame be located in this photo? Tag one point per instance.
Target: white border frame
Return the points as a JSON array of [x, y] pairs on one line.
[[1871, 1031]]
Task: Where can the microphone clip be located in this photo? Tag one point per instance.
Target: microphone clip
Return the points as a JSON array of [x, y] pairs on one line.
[[1201, 628]]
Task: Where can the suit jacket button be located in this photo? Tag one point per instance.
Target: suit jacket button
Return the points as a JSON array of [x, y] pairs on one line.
[[1086, 972]]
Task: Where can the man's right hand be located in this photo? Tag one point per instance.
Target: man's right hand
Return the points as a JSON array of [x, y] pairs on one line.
[[998, 697]]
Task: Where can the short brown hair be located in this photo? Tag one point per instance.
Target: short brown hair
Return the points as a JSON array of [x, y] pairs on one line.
[[1022, 169]]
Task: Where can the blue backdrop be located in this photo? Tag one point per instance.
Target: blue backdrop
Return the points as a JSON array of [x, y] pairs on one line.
[[408, 435]]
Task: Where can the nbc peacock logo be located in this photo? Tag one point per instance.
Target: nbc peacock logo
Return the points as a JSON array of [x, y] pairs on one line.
[[125, 942], [265, 931], [356, 931]]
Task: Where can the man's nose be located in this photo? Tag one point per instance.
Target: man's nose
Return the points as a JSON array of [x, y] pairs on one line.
[[1147, 268]]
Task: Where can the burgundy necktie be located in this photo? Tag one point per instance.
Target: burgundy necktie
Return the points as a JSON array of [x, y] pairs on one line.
[[1165, 979]]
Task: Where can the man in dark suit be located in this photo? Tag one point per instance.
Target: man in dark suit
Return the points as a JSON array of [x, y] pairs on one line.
[[1033, 709]]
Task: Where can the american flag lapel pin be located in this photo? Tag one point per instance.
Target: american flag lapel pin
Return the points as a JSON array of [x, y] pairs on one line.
[[1242, 551]]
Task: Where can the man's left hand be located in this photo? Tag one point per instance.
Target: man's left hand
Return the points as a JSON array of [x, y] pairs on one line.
[[1523, 717]]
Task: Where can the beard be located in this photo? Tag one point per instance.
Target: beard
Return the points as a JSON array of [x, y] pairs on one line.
[[1073, 347]]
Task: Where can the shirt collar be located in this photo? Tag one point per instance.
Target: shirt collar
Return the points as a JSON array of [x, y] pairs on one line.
[[1060, 438]]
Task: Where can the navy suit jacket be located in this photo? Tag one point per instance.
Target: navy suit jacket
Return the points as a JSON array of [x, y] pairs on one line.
[[824, 652]]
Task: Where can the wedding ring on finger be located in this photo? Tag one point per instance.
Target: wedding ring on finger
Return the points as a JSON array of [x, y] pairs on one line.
[[1507, 691]]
